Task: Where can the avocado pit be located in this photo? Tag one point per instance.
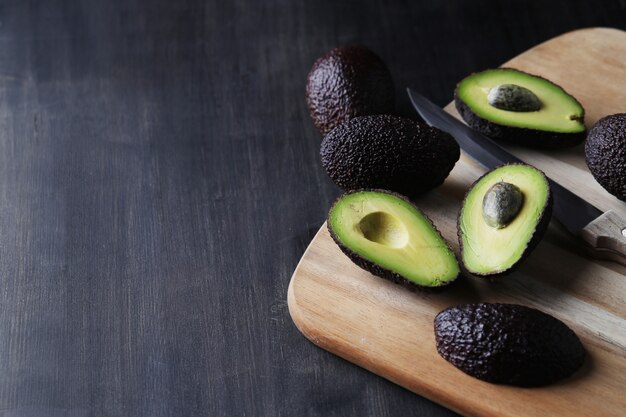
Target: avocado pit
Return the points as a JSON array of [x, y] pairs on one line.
[[384, 229], [501, 204], [513, 97]]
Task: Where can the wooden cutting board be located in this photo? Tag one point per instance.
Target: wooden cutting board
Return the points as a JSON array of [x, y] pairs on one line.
[[389, 330]]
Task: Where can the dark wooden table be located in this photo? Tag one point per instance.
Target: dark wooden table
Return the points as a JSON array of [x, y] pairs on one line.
[[159, 180]]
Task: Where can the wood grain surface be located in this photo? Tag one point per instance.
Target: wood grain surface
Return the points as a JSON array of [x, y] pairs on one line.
[[388, 330], [160, 180]]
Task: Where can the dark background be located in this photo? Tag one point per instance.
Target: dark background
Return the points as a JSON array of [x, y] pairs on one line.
[[159, 181]]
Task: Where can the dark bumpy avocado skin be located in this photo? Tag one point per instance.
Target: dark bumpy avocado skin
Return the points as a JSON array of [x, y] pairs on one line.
[[540, 230], [517, 135], [348, 82], [605, 153], [508, 344], [374, 269], [388, 152]]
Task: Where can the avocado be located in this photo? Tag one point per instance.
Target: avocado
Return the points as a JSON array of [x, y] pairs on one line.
[[503, 217], [388, 152], [605, 153], [508, 344], [385, 234], [511, 105], [348, 82]]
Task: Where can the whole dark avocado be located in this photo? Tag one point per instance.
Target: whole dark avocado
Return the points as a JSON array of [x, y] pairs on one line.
[[605, 153], [388, 152], [348, 82], [508, 344]]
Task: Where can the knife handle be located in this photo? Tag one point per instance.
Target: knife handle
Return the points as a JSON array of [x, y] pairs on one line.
[[607, 237]]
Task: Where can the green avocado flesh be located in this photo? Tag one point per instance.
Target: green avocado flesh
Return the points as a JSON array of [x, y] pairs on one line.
[[559, 111], [489, 250], [390, 232]]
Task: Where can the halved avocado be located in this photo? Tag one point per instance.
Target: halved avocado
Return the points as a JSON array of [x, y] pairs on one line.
[[521, 108], [497, 229], [385, 234]]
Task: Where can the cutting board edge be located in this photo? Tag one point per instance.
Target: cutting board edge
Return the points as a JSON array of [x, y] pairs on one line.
[[562, 35], [322, 341]]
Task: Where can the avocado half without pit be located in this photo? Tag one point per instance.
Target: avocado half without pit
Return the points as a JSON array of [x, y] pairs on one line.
[[385, 234], [504, 215], [508, 344], [521, 108]]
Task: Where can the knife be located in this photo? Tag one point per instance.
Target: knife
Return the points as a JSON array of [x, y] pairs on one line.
[[604, 233]]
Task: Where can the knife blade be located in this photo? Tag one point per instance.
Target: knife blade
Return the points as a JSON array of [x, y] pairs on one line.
[[573, 212]]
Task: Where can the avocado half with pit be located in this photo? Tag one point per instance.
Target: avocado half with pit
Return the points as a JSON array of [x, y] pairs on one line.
[[504, 216], [521, 108], [385, 234]]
